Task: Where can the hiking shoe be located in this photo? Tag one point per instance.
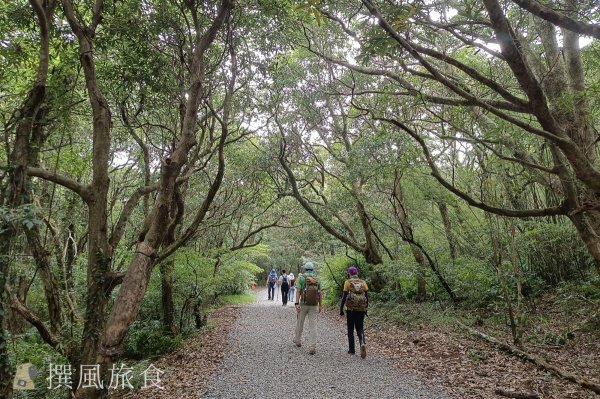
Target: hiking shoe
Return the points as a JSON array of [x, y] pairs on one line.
[[312, 351], [363, 351], [351, 352], [297, 343]]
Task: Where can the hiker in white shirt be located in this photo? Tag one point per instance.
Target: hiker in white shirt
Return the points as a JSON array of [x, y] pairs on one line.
[[292, 292]]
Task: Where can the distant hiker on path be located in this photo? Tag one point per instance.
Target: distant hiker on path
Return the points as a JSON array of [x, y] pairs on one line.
[[292, 291], [356, 299], [254, 334], [278, 286], [271, 281], [308, 303], [284, 282]]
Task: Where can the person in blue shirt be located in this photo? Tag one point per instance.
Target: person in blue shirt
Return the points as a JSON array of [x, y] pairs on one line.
[[271, 281]]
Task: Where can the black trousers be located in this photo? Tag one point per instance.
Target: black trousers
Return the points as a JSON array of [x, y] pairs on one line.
[[284, 293], [355, 320]]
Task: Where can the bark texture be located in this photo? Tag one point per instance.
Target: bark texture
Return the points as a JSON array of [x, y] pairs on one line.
[[16, 192], [136, 278]]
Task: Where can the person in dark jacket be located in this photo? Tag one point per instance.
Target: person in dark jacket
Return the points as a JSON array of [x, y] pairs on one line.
[[284, 283]]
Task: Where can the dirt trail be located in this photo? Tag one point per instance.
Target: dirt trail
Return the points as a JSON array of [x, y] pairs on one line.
[[262, 362]]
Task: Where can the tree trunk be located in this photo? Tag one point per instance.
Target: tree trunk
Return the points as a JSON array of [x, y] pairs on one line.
[[567, 81], [166, 268], [16, 193], [559, 101], [443, 208], [6, 369], [421, 283], [497, 262], [135, 281], [99, 252], [15, 323], [217, 265], [70, 254], [371, 252], [168, 305], [42, 260], [127, 304], [516, 263], [589, 236], [407, 233]]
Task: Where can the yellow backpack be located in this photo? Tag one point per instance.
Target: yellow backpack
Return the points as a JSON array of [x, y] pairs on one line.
[[357, 300]]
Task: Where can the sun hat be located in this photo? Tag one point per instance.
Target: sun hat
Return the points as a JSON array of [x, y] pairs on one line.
[[309, 266]]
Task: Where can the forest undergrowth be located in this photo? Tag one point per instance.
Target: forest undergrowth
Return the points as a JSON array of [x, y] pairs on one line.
[[188, 368], [425, 339]]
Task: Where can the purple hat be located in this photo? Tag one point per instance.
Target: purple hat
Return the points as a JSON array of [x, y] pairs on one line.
[[352, 270]]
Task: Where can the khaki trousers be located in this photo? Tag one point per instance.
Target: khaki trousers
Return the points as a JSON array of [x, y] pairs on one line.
[[311, 312]]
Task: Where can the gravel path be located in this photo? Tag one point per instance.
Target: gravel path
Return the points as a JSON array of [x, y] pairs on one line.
[[262, 362]]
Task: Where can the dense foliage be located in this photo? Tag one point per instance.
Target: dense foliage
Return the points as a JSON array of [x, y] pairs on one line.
[[159, 156]]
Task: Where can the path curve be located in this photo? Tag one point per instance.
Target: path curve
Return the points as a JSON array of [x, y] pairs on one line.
[[262, 362]]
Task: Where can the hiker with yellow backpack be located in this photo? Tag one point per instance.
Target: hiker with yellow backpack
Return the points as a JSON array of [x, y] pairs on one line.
[[308, 303], [356, 298]]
